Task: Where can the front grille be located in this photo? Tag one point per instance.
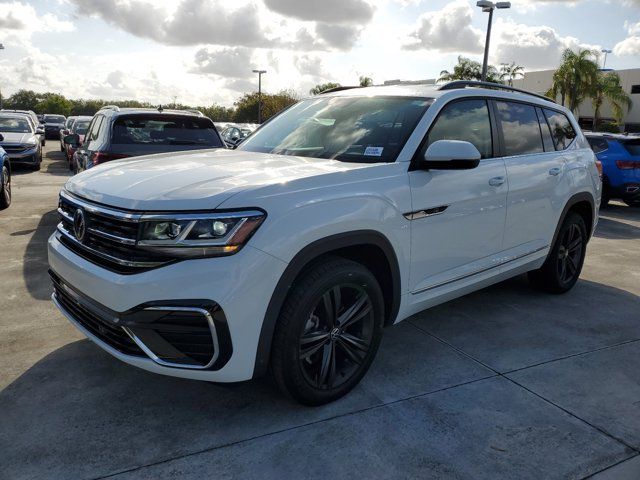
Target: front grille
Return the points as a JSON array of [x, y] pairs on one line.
[[110, 334], [110, 237], [15, 148]]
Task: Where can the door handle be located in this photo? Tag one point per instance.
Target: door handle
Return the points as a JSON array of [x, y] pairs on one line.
[[555, 171], [496, 181]]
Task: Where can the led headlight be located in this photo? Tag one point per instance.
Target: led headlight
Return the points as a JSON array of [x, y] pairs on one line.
[[199, 234]]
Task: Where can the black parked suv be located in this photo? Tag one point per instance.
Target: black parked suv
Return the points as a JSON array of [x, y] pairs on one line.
[[126, 132], [53, 124]]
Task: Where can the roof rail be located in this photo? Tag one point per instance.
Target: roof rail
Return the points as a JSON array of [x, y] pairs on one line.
[[498, 86], [110, 107], [338, 89], [194, 111]]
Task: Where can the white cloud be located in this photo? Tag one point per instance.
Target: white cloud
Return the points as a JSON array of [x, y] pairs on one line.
[[533, 47], [447, 30], [630, 46], [226, 62], [328, 11]]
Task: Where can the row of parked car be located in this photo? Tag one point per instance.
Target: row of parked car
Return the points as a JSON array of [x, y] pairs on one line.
[[112, 133]]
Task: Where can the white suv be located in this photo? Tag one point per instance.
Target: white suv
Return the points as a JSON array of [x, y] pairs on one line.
[[348, 212]]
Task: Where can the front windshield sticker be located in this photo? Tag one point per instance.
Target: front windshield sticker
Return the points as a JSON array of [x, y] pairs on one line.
[[373, 151]]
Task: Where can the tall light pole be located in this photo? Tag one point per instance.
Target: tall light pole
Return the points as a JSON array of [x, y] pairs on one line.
[[605, 51], [1, 48], [259, 72], [489, 7]]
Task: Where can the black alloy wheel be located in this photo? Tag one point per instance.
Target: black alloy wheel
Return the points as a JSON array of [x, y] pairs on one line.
[[563, 265], [5, 194], [328, 331], [337, 336], [569, 254]]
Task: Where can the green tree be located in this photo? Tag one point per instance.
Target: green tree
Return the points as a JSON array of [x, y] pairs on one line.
[[23, 100], [510, 71], [467, 69], [322, 87], [246, 107], [54, 103], [218, 113], [576, 78], [366, 81], [608, 88]]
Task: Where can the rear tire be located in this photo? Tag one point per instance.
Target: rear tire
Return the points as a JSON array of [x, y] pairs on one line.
[[5, 188], [561, 270], [328, 332]]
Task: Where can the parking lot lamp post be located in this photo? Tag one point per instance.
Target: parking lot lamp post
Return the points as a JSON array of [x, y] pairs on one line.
[[259, 72], [604, 63], [489, 7]]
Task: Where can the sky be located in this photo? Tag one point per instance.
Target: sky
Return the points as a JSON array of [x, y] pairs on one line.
[[203, 51]]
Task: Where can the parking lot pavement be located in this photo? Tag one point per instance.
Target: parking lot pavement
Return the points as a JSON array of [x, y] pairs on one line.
[[503, 383]]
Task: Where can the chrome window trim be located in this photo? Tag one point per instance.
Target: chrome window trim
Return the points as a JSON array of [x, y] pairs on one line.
[[164, 363]]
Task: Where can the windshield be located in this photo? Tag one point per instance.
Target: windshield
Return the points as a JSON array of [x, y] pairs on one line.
[[14, 125], [164, 130], [80, 127], [54, 119], [350, 129]]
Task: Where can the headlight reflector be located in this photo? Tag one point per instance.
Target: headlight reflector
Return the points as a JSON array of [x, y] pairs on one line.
[[200, 234]]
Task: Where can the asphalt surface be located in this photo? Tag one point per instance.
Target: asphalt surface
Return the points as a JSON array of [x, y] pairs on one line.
[[505, 383]]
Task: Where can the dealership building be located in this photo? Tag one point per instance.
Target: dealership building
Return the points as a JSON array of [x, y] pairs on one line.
[[540, 82]]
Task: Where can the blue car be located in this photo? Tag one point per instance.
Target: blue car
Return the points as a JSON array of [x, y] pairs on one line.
[[5, 179], [620, 158]]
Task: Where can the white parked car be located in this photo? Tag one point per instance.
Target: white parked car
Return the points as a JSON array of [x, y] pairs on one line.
[[349, 212]]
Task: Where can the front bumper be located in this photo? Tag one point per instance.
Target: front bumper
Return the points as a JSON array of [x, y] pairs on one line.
[[241, 285], [28, 156]]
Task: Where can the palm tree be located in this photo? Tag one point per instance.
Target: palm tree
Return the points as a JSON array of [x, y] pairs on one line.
[[467, 69], [608, 88], [511, 72], [576, 78]]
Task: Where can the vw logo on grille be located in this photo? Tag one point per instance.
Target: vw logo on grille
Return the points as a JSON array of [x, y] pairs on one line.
[[79, 225]]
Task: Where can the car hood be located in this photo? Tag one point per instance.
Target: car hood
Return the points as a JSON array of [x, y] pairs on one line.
[[16, 138], [199, 180]]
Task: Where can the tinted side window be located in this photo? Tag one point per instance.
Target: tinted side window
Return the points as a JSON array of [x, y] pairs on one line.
[[466, 120], [92, 132], [597, 144], [520, 128], [549, 146], [561, 129]]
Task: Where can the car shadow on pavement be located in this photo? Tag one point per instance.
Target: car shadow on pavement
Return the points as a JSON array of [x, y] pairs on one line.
[[80, 413], [616, 230], [55, 164], [35, 264]]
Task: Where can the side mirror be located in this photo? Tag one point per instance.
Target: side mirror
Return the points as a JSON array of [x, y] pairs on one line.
[[450, 155], [73, 140], [1, 137], [40, 130]]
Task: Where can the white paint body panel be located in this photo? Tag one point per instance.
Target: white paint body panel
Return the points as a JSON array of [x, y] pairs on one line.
[[486, 234]]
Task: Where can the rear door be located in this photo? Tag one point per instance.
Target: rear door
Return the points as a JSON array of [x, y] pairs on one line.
[[536, 168], [458, 215]]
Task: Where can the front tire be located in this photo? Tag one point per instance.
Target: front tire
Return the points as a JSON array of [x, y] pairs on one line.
[[561, 270], [5, 188], [328, 332]]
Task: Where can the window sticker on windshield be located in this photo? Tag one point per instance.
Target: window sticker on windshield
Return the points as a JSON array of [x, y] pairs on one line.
[[373, 151]]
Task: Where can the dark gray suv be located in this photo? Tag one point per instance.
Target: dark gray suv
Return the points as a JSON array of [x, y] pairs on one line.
[[127, 132]]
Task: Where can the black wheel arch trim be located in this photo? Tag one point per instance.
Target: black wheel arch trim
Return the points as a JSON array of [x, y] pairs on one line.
[[574, 200], [304, 258]]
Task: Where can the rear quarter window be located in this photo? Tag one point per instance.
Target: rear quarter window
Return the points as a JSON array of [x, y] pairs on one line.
[[597, 144], [164, 130], [561, 129]]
